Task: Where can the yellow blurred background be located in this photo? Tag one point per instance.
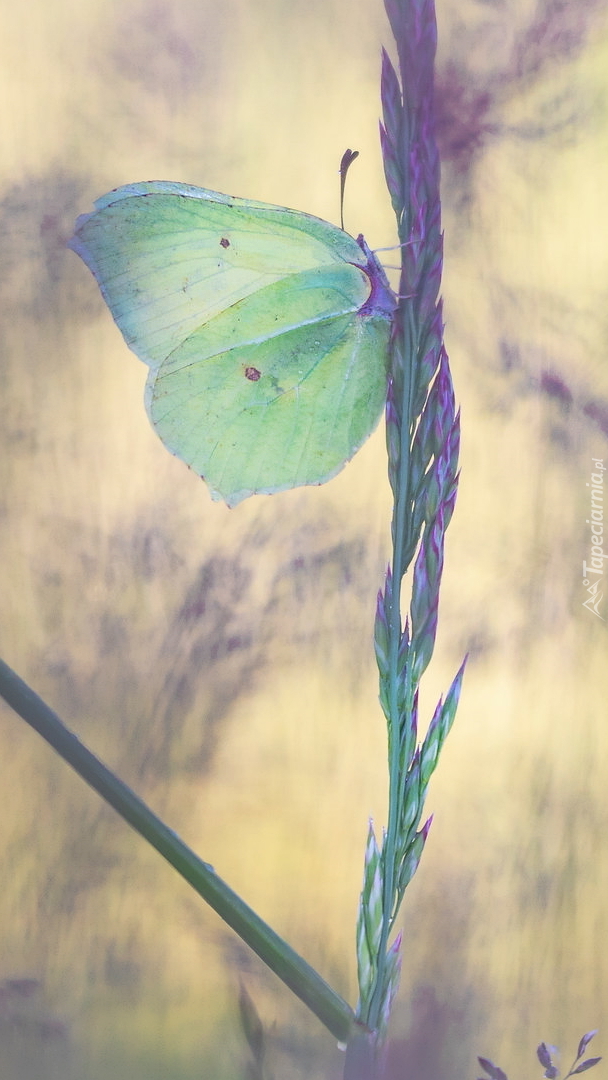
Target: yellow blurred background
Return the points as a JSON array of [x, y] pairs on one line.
[[221, 661]]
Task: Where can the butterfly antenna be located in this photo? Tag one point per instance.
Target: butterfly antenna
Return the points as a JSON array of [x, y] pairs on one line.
[[347, 159]]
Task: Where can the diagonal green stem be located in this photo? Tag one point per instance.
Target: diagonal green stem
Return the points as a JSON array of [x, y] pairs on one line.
[[295, 972]]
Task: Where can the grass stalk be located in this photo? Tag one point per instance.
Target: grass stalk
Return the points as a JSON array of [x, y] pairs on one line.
[[422, 430], [295, 972]]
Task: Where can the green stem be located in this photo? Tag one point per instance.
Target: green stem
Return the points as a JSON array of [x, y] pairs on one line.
[[401, 533], [295, 972]]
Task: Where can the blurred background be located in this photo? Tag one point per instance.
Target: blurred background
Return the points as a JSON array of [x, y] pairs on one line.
[[221, 661]]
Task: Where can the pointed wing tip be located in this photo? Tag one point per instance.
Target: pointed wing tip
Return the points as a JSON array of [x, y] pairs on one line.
[[76, 243]]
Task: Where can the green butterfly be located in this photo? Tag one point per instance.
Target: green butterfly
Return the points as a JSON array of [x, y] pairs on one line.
[[266, 331]]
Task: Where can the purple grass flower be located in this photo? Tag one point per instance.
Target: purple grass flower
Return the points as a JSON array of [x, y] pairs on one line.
[[422, 437]]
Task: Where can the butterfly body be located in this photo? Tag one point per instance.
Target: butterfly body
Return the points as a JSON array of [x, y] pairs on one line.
[[265, 330]]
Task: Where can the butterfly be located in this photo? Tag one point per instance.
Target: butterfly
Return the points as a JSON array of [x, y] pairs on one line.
[[265, 330]]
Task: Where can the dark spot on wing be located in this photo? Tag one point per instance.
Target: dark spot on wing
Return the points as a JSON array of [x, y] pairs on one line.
[[252, 373], [225, 242]]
